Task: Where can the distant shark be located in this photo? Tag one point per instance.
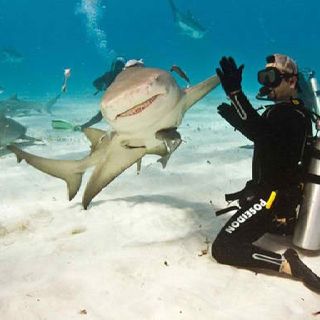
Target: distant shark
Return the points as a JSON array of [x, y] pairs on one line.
[[10, 55], [144, 107], [187, 23], [16, 107]]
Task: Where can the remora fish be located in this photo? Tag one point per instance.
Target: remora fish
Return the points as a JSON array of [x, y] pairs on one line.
[[17, 107], [144, 106], [187, 23], [181, 73]]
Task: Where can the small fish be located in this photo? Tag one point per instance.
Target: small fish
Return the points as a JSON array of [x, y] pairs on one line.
[[181, 73], [67, 74]]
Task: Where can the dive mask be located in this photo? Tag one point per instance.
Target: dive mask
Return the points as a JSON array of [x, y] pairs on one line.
[[271, 77]]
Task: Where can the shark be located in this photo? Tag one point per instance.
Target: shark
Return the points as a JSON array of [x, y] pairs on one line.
[[187, 23], [11, 131], [144, 107], [15, 106]]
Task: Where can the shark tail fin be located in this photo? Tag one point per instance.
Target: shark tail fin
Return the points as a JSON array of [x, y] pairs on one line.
[[67, 170], [173, 8]]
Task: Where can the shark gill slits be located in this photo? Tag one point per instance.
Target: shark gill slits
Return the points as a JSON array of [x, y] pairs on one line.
[[138, 108]]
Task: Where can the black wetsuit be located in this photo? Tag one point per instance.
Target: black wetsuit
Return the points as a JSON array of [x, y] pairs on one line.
[[101, 84], [279, 137]]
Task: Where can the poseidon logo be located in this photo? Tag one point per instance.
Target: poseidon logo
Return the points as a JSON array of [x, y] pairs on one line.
[[245, 216]]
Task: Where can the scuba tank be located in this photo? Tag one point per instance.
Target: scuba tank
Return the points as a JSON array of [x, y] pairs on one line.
[[316, 90], [307, 233]]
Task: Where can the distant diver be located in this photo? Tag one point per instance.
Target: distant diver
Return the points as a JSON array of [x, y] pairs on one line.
[[101, 84], [104, 81], [187, 23]]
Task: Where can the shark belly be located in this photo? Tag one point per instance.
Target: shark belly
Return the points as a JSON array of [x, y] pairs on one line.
[[143, 132], [190, 31]]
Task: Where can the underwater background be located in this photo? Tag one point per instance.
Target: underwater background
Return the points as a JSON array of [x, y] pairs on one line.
[[86, 35]]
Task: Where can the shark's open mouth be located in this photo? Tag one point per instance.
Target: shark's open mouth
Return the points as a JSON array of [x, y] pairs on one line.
[[138, 108]]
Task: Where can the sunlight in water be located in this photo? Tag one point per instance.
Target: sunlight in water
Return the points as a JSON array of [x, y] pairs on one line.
[[92, 10]]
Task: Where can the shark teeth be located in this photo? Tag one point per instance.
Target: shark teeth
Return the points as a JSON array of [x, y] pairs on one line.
[[138, 108]]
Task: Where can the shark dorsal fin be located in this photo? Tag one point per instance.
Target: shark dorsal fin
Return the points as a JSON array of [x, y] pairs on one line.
[[94, 135]]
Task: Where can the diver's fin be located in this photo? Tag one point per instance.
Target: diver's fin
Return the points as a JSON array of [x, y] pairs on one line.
[[67, 170], [116, 161], [195, 93], [94, 135]]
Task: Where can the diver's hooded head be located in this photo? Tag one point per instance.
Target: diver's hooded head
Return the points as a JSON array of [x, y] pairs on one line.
[[279, 79]]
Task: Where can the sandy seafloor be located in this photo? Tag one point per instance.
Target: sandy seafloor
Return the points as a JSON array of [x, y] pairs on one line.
[[138, 252]]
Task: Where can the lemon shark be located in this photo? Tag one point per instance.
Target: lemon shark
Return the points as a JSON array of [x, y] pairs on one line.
[[144, 107]]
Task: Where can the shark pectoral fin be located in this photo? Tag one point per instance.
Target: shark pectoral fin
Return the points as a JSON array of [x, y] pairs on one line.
[[95, 135], [30, 139], [67, 170], [117, 161], [164, 160], [174, 144], [195, 93]]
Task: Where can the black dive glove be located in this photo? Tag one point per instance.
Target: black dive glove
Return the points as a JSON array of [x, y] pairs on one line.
[[230, 75]]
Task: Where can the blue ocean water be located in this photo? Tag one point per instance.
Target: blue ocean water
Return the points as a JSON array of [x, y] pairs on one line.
[[85, 35]]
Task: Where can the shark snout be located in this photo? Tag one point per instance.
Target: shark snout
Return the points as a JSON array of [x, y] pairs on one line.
[[134, 100]]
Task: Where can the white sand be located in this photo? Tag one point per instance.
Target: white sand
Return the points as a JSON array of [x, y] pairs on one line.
[[136, 253]]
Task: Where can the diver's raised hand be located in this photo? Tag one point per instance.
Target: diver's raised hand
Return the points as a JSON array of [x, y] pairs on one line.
[[230, 75]]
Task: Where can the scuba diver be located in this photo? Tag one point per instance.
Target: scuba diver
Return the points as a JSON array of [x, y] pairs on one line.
[[269, 201], [101, 84]]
